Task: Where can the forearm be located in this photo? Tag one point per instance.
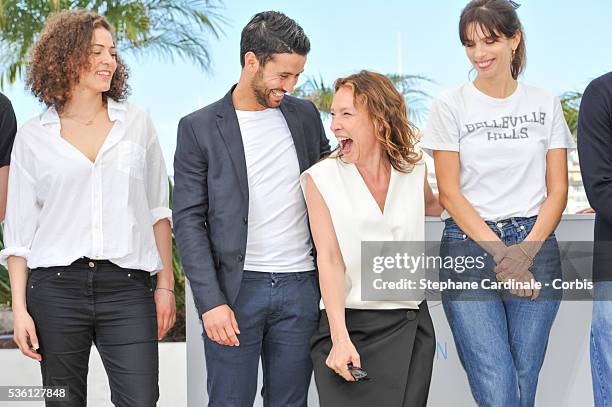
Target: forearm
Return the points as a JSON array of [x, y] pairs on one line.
[[190, 218], [432, 206], [18, 275], [466, 217], [548, 219], [331, 281], [195, 250], [163, 240]]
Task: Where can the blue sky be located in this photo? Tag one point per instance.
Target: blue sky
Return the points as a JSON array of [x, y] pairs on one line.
[[568, 44]]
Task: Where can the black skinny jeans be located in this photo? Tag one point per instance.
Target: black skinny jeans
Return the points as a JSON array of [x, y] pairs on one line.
[[94, 301]]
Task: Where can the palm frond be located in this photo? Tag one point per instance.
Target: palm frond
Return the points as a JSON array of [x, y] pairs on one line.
[[570, 104], [317, 92], [167, 29]]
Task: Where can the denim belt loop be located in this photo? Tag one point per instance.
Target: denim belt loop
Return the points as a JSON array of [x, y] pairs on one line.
[[515, 223]]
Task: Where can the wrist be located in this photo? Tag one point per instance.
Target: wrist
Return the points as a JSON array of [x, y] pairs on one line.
[[498, 250], [19, 309], [168, 290], [167, 283], [532, 247], [341, 338]]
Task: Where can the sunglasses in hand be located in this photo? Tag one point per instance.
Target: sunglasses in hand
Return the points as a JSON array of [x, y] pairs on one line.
[[357, 372]]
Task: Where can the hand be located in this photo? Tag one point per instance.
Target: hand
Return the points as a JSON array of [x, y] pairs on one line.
[[221, 326], [526, 278], [24, 335], [341, 354], [165, 307], [514, 261]]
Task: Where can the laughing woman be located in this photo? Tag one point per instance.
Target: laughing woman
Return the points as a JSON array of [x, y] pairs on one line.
[[373, 188], [88, 214], [500, 152]]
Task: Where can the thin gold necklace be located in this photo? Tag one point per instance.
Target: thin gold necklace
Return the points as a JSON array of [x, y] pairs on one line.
[[86, 123]]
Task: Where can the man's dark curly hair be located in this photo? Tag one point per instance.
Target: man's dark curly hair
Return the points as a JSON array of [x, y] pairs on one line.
[[61, 55]]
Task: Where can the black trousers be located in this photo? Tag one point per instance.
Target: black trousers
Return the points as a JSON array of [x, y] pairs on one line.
[[96, 302]]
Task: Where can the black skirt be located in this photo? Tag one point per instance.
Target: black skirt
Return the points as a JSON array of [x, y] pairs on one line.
[[396, 348]]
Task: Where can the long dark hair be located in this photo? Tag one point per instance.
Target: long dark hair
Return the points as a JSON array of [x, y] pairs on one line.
[[495, 18]]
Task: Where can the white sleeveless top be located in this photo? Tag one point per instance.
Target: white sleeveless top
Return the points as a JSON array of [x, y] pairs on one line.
[[357, 217]]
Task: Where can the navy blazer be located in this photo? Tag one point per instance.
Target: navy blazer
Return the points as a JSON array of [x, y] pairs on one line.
[[211, 194], [595, 151]]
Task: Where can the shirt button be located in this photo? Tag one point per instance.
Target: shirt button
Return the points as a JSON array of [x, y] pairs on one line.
[[245, 220], [411, 315], [91, 264], [240, 257], [500, 225]]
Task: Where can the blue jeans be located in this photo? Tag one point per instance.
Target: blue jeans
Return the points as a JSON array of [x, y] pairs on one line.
[[501, 338], [601, 344], [277, 313]]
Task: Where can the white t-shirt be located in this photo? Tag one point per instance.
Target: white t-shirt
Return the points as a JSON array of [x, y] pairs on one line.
[[278, 238], [502, 145]]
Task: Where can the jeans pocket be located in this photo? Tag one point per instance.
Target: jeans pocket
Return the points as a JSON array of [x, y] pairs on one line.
[[314, 296], [139, 278], [314, 283], [39, 277], [453, 233]]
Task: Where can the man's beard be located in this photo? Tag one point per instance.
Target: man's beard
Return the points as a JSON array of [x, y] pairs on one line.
[[262, 94]]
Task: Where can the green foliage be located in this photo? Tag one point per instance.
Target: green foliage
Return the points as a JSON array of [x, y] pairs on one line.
[[570, 103], [317, 92], [163, 28], [409, 86]]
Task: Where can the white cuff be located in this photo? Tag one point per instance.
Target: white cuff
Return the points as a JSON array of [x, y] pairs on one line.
[[13, 251], [160, 213]]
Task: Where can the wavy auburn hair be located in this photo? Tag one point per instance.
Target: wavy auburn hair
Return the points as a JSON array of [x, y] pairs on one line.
[[387, 110], [61, 54]]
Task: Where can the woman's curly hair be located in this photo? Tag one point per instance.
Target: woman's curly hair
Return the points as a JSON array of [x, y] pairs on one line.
[[387, 110], [61, 55]]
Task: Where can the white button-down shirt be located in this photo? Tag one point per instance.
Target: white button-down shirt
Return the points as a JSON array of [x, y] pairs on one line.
[[62, 207]]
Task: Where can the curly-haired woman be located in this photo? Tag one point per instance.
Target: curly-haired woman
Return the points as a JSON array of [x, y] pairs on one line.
[[88, 214], [373, 188]]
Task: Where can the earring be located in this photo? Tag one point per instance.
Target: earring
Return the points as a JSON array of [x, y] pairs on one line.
[[513, 52]]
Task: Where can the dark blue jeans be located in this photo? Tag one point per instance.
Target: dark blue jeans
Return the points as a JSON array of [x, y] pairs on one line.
[[277, 314], [501, 338]]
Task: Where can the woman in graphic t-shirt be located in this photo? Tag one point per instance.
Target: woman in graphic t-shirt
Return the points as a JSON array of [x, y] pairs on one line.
[[500, 152]]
